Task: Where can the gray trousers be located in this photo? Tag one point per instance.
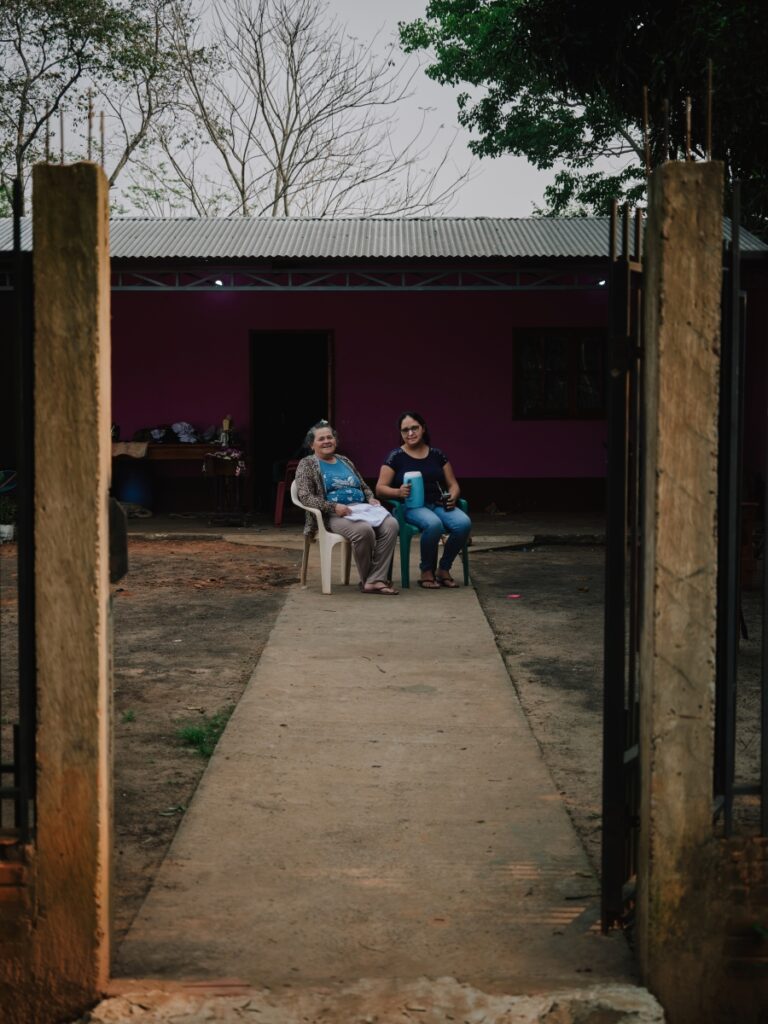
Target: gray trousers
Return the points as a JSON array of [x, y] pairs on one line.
[[372, 546]]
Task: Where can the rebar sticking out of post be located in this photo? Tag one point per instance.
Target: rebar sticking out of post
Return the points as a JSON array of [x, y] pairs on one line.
[[646, 144], [61, 134], [687, 127], [90, 124], [709, 109], [101, 132], [666, 131]]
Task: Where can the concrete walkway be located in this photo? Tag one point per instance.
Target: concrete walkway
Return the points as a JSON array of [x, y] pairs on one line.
[[377, 808], [488, 531]]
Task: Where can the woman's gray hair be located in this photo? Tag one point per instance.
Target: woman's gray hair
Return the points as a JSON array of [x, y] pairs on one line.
[[309, 440]]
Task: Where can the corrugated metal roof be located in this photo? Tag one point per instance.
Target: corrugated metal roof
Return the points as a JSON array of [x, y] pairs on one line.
[[295, 238], [370, 238]]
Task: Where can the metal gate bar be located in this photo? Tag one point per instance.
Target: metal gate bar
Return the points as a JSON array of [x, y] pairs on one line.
[[730, 622], [729, 526], [22, 765], [623, 577], [764, 666]]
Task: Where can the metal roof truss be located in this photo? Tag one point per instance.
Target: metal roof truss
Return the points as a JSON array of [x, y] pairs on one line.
[[348, 280]]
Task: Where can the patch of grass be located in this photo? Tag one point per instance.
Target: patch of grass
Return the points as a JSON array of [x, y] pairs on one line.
[[203, 735], [128, 716]]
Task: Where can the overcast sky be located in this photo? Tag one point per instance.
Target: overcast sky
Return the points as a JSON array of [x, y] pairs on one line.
[[504, 187]]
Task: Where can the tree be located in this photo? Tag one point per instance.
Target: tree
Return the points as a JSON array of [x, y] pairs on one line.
[[145, 84], [559, 81], [54, 52], [289, 116]]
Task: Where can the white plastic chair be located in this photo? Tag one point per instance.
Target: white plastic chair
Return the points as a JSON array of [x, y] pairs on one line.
[[326, 542]]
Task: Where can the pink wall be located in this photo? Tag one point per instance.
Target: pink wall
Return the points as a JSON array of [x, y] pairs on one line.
[[449, 355]]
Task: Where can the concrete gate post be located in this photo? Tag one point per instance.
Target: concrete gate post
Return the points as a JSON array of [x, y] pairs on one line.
[[678, 855], [68, 936]]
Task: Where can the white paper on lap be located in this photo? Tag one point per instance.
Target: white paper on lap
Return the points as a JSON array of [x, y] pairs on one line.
[[363, 513]]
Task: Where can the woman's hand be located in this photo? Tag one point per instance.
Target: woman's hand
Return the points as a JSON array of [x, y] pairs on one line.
[[404, 491], [453, 488], [374, 501], [343, 510]]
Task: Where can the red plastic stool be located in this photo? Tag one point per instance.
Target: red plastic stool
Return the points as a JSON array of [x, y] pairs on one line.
[[282, 488]]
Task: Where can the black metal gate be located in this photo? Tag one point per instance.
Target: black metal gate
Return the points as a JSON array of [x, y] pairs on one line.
[[623, 578], [18, 694], [731, 625], [623, 573]]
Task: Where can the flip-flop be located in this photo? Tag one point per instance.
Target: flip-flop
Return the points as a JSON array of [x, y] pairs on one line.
[[446, 581], [428, 584], [384, 591]]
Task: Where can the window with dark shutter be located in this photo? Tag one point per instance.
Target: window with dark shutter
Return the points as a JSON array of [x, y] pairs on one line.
[[559, 373]]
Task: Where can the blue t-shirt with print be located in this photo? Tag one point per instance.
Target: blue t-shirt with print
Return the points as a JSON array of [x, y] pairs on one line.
[[341, 484]]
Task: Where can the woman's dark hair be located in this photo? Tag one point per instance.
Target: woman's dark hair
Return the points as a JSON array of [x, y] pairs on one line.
[[419, 419], [310, 438]]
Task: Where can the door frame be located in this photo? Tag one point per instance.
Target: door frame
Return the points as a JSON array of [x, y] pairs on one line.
[[330, 390]]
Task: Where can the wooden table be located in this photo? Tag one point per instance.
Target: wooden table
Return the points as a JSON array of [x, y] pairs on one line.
[[161, 452], [227, 484]]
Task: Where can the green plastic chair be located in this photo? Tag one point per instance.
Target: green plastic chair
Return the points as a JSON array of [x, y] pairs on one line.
[[407, 532]]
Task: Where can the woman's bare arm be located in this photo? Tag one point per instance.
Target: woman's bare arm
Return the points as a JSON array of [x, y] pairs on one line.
[[384, 488]]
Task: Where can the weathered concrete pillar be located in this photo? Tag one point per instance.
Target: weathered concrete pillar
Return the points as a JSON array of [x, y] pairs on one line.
[[678, 855], [69, 938]]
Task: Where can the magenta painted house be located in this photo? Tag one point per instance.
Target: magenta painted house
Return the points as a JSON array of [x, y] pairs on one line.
[[494, 330]]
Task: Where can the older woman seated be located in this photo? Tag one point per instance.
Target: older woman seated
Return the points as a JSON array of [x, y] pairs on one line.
[[329, 482]]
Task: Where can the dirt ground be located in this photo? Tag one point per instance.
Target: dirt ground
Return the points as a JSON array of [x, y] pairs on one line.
[[190, 621], [192, 617], [551, 639], [545, 607]]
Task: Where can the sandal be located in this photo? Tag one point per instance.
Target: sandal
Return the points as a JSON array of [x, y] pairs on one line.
[[429, 584], [447, 581], [385, 591]]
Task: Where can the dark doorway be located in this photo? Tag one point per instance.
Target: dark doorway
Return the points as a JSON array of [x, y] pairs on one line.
[[291, 388]]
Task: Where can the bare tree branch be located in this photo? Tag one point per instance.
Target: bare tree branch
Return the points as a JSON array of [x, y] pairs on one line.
[[292, 116]]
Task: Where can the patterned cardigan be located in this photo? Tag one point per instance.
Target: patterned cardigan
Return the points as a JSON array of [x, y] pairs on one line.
[[311, 490]]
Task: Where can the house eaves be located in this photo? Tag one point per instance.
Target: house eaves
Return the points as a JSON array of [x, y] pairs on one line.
[[361, 238]]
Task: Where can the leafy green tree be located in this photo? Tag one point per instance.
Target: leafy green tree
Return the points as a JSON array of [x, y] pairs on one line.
[[561, 82], [54, 52]]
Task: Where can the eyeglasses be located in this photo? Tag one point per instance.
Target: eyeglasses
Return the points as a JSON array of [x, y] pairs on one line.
[[410, 430]]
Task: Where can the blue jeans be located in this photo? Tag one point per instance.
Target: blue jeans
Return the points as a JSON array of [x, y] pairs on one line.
[[433, 521]]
